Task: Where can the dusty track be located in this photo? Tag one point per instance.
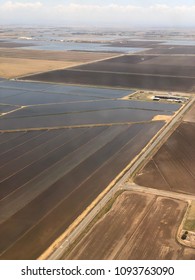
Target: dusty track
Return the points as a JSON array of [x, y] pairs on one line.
[[169, 194]]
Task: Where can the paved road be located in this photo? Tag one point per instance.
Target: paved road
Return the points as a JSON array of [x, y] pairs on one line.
[[121, 184]]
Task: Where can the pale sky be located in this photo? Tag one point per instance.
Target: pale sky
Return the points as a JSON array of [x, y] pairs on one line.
[[129, 13]]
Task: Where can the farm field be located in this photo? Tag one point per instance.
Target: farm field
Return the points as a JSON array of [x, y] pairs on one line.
[[173, 166], [171, 50], [112, 79], [48, 177], [53, 95], [134, 71], [138, 226], [7, 108], [26, 89], [17, 62], [94, 105], [136, 44], [146, 64], [13, 45], [14, 67], [67, 135], [96, 117], [63, 56], [61, 175], [58, 106], [190, 116]]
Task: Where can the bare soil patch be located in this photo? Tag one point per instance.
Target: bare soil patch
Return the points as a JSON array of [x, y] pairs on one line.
[[162, 118], [14, 45], [139, 227], [173, 166], [190, 116], [14, 67], [54, 55], [17, 62]]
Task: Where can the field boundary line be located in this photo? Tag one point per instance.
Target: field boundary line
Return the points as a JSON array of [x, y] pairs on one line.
[[69, 67], [129, 73], [7, 113], [75, 126]]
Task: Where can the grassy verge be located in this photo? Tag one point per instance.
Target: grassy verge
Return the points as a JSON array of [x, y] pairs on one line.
[[100, 214], [189, 223]]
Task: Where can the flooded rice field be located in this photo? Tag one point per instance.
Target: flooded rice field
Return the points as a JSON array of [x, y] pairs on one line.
[[46, 184], [48, 177]]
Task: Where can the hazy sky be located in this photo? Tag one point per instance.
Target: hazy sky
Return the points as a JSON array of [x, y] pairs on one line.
[[129, 13]]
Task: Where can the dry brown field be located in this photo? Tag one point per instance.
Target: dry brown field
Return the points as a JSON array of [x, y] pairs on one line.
[[14, 67], [190, 116], [13, 45], [17, 62], [138, 226], [54, 55], [112, 79], [173, 166]]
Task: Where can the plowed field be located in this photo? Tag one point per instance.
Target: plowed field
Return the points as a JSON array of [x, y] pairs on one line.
[[173, 166], [138, 227]]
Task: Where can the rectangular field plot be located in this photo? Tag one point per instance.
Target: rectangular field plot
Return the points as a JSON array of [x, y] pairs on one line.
[[7, 93], [157, 65], [66, 56], [138, 227], [17, 85], [133, 71], [34, 98], [90, 91], [136, 44], [91, 106], [21, 93], [18, 62], [5, 137], [49, 177], [114, 79], [170, 49], [99, 117], [173, 166]]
